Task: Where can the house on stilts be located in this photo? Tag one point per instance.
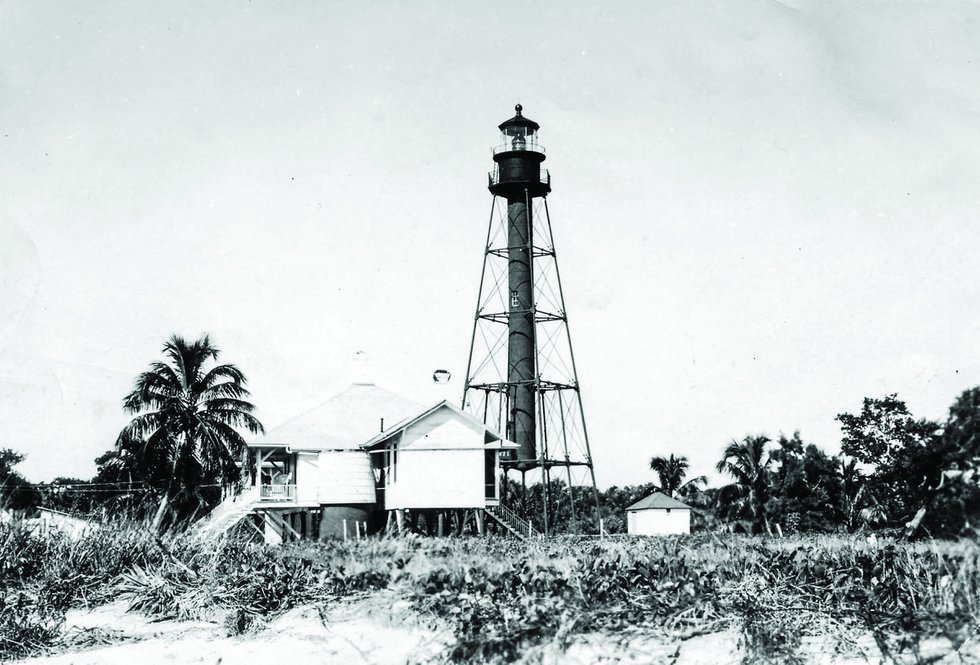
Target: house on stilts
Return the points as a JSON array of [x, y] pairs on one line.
[[368, 460]]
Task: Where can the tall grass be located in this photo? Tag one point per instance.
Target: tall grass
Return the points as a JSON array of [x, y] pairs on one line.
[[500, 597]]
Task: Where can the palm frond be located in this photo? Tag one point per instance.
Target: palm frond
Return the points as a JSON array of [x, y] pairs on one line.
[[220, 372], [226, 389], [235, 418]]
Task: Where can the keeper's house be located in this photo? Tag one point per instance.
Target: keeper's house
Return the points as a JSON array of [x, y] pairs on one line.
[[368, 459], [658, 515]]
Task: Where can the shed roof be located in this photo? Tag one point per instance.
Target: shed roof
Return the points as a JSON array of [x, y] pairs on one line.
[[343, 421], [657, 500]]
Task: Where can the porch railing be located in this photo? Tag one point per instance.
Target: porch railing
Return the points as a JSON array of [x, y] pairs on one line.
[[277, 493]]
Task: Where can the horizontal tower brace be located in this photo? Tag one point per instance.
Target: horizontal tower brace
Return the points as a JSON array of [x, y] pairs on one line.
[[547, 463], [540, 316], [502, 386], [536, 252]]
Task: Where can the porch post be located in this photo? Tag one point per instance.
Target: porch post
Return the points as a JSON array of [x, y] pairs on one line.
[[388, 525]]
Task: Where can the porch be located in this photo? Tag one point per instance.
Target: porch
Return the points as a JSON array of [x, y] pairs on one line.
[[277, 493]]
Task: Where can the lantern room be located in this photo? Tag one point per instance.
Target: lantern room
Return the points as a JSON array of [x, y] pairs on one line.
[[518, 173], [518, 133]]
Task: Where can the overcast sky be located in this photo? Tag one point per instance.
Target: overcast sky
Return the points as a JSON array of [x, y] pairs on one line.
[[763, 211]]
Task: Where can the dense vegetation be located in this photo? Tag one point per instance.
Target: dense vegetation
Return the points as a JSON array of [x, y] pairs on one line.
[[499, 598], [895, 474]]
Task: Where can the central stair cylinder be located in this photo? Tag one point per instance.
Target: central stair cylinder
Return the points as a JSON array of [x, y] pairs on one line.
[[520, 347]]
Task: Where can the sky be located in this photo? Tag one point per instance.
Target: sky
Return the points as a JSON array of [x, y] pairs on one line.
[[763, 212]]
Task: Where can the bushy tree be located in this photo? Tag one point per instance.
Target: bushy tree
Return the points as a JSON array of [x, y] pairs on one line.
[[919, 469], [15, 492], [883, 431], [806, 491], [955, 499]]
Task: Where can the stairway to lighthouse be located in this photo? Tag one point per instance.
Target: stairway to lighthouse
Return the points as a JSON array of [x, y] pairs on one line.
[[513, 522]]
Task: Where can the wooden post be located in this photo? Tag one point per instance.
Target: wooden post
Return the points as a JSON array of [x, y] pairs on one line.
[[400, 519], [388, 524], [308, 524], [479, 520], [442, 523], [345, 529]]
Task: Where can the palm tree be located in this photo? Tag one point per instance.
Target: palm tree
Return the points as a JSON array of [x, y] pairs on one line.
[[672, 471], [747, 462], [186, 417]]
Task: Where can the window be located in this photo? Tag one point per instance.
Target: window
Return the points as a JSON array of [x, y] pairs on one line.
[[490, 474]]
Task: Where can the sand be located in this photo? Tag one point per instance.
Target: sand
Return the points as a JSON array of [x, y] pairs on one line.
[[381, 629]]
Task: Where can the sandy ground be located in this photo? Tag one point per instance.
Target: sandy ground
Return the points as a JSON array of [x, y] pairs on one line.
[[382, 630], [365, 631]]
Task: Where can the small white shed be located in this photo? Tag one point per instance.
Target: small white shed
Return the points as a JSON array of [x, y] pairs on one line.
[[657, 515]]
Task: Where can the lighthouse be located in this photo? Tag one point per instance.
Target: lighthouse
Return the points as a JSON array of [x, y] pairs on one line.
[[521, 377], [516, 179]]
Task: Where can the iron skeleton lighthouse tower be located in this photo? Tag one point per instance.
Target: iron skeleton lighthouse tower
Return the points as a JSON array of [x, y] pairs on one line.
[[521, 377]]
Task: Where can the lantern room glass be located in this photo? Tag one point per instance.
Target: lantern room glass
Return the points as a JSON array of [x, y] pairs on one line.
[[518, 138]]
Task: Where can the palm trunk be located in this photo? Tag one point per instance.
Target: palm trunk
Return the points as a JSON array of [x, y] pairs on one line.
[[171, 485], [161, 512]]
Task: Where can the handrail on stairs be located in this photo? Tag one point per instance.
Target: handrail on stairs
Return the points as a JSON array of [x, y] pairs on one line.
[[515, 521]]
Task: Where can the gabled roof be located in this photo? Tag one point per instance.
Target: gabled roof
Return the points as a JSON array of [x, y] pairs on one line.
[[444, 404], [657, 500], [343, 421]]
